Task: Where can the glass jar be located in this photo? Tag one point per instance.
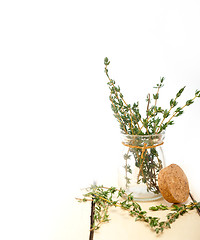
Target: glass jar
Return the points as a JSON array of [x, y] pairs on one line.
[[142, 160]]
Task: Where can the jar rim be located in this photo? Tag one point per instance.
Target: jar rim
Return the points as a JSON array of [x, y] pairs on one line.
[[145, 135], [139, 140]]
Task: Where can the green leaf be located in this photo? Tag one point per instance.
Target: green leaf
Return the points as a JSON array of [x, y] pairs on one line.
[[166, 113], [106, 61], [121, 95], [170, 122], [155, 96], [162, 79], [168, 225], [173, 103], [189, 102], [179, 113], [143, 212], [175, 207], [180, 92], [197, 93], [153, 208], [178, 109]]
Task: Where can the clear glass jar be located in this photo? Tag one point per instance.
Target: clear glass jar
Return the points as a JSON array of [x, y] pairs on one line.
[[143, 158]]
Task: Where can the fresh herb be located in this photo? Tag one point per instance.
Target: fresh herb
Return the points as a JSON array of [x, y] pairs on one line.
[[132, 123], [104, 198], [157, 119]]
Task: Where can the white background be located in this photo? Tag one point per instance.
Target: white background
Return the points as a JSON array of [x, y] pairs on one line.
[[57, 131]]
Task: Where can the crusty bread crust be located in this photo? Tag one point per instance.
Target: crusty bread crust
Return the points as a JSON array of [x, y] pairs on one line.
[[173, 184]]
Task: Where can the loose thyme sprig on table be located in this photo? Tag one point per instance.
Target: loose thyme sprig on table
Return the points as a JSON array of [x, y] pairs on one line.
[[157, 119], [104, 198]]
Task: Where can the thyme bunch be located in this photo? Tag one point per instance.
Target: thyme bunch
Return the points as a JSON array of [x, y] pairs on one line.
[[157, 119], [104, 198]]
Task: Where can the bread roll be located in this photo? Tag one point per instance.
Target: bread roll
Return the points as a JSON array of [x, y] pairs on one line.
[[173, 184]]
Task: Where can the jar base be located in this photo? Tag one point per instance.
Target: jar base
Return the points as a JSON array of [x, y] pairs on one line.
[[141, 194]]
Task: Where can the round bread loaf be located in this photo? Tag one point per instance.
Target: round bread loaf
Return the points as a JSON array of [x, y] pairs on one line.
[[173, 184]]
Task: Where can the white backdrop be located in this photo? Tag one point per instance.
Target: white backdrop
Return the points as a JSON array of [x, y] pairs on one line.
[[57, 130]]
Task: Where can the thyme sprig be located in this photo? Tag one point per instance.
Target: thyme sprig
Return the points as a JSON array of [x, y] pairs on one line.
[[157, 119], [104, 198]]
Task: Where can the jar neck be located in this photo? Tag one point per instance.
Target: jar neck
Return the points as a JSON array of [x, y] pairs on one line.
[[141, 140]]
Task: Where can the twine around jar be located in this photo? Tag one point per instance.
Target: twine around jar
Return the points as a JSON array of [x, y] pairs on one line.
[[144, 147]]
